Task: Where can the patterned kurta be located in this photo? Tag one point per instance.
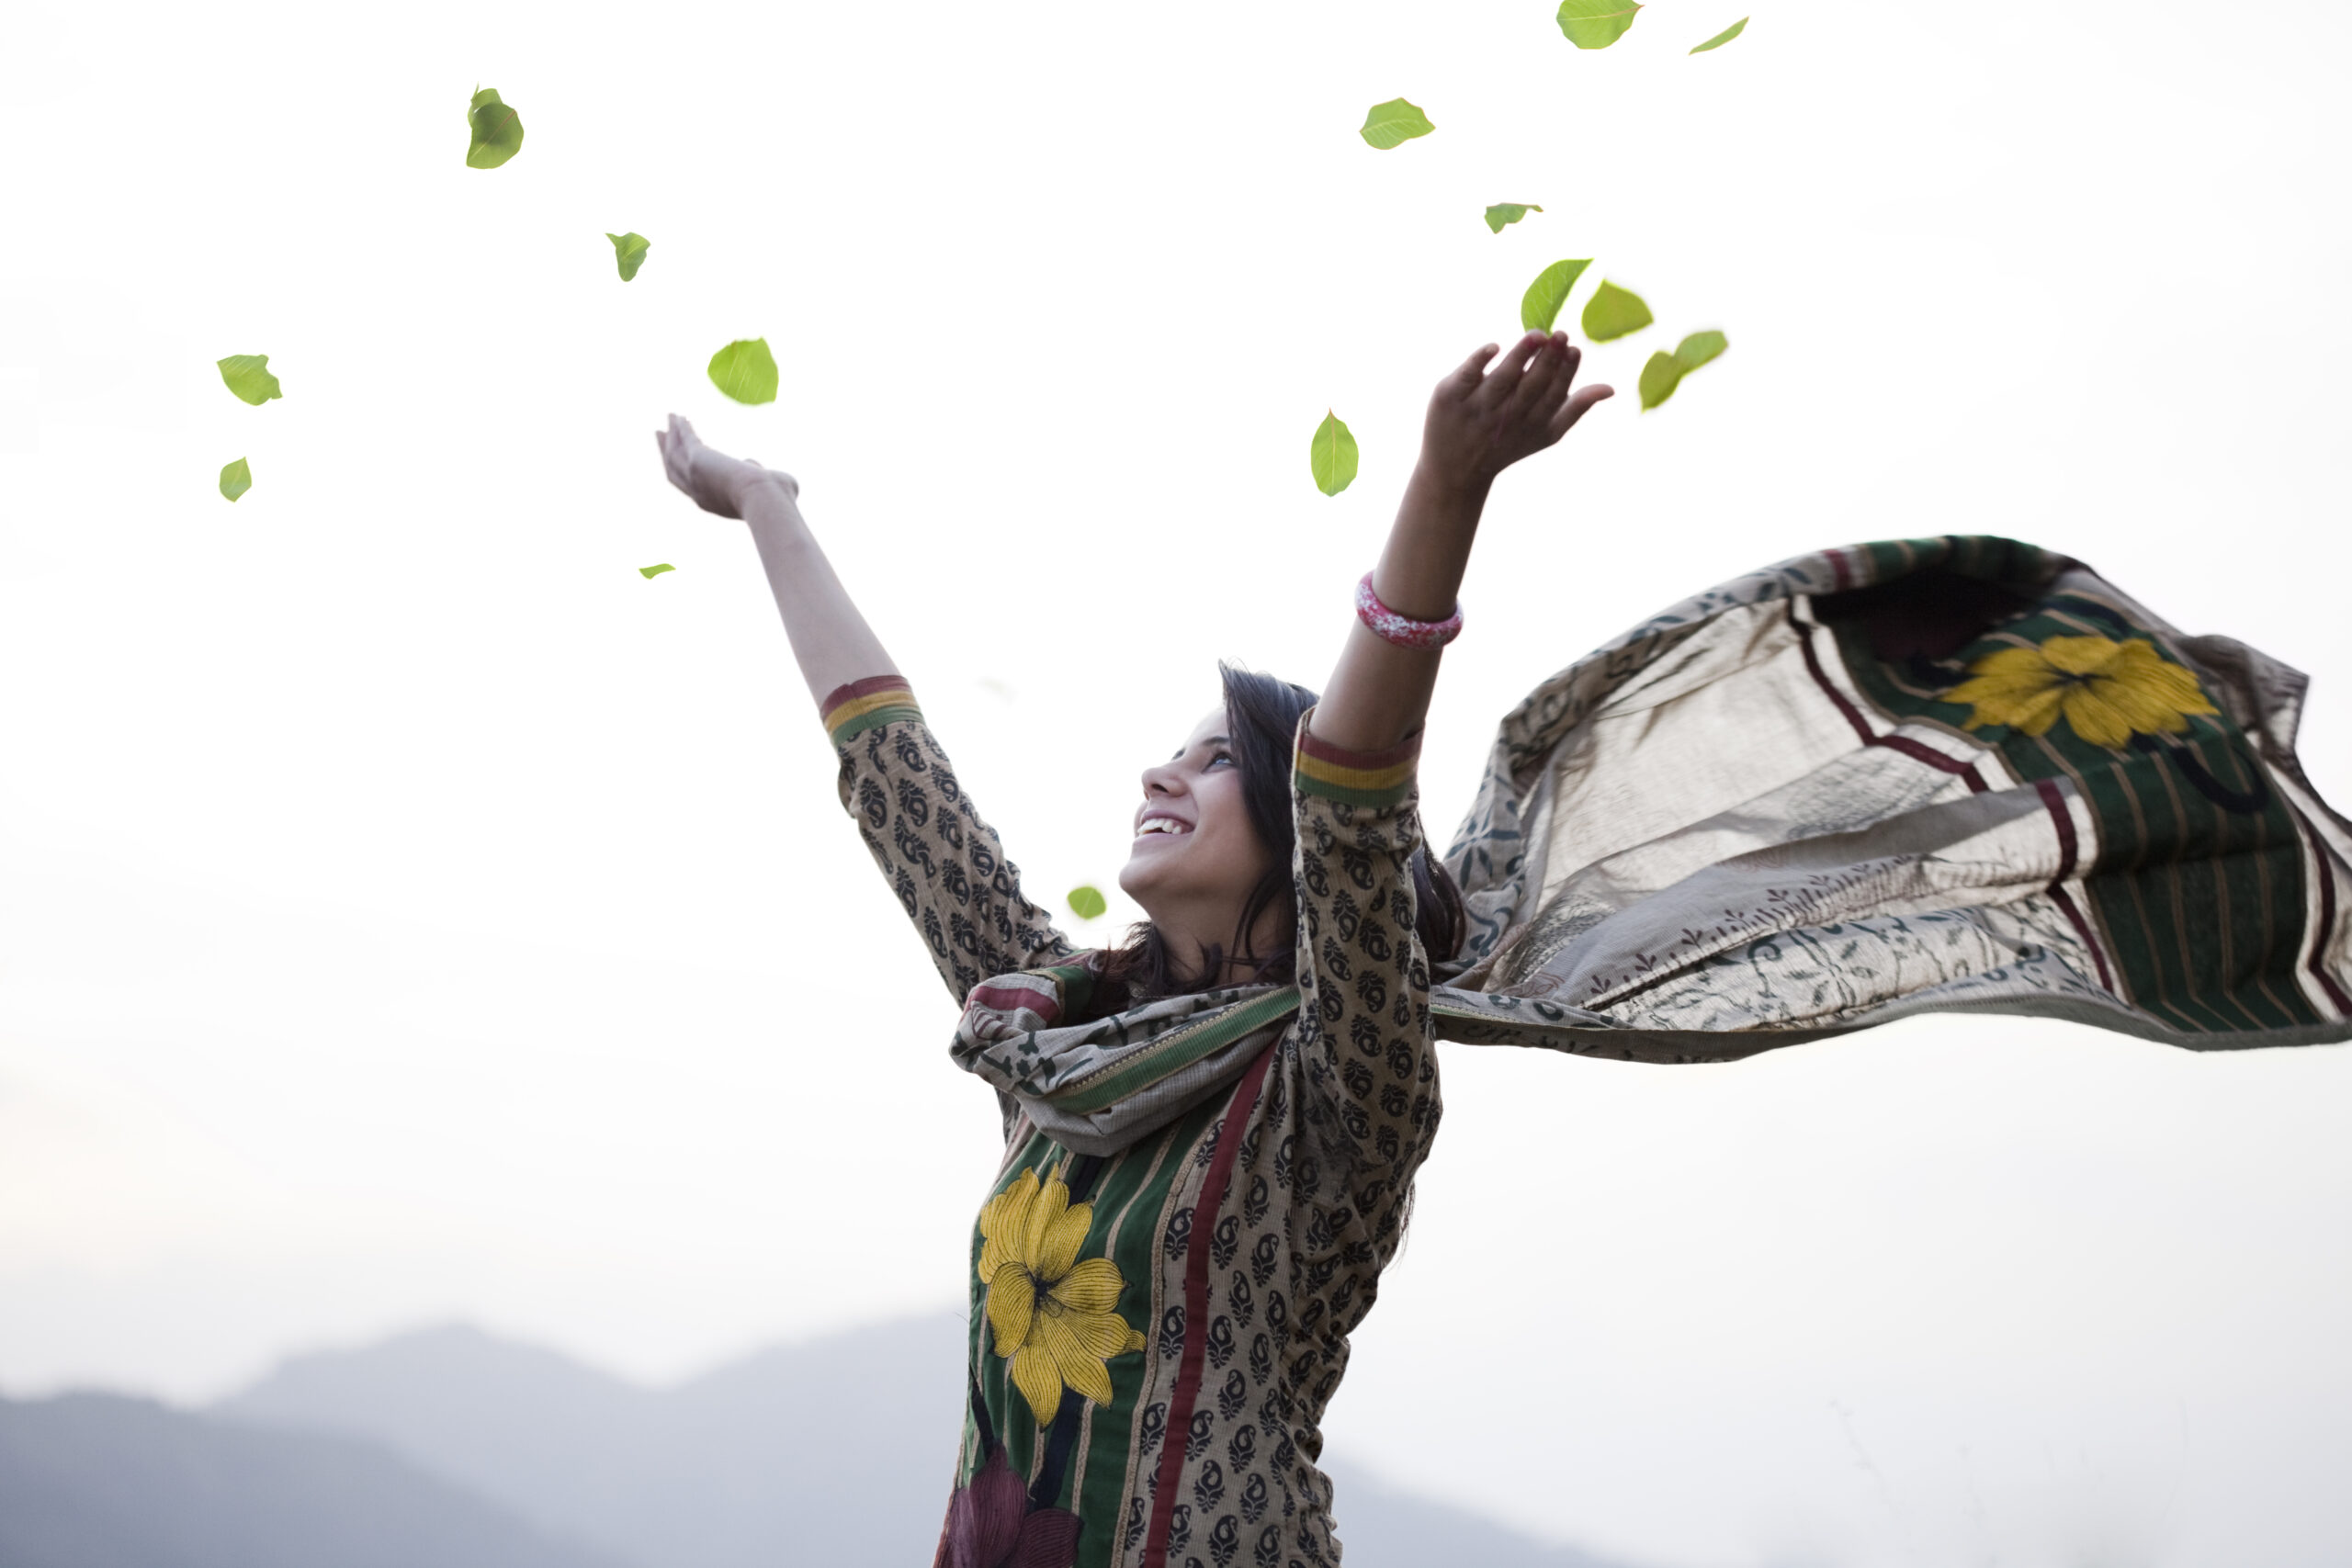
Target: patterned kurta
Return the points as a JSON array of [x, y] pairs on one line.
[[1155, 1332]]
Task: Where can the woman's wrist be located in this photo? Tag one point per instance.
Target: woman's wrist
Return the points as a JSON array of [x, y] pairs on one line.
[[1420, 572]]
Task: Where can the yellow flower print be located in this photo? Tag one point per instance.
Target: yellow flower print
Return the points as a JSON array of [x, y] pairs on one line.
[[1056, 1317], [2108, 691]]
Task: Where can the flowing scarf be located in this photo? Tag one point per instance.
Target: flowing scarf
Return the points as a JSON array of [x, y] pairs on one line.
[[1954, 774]]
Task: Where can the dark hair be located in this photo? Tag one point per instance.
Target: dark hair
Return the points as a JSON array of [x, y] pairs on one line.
[[1262, 714]]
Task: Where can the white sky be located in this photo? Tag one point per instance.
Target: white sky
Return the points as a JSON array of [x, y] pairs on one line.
[[408, 911]]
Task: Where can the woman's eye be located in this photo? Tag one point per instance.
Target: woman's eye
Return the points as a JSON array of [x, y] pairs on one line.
[[1220, 757]]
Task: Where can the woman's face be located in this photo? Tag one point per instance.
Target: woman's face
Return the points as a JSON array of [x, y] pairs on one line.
[[1196, 855]]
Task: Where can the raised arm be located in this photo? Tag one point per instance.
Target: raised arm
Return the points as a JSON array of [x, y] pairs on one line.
[[830, 638], [1365, 1043], [1478, 425], [944, 864]]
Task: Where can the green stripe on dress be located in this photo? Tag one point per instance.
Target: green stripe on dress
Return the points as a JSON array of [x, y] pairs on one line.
[[1179, 1050]]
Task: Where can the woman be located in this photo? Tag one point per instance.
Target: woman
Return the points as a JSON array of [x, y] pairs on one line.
[[1159, 1314], [1961, 773]]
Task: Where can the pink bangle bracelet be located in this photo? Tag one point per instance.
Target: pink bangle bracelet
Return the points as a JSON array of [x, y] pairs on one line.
[[1403, 630]]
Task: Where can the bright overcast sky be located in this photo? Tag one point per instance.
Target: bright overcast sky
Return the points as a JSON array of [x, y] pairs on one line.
[[408, 911]]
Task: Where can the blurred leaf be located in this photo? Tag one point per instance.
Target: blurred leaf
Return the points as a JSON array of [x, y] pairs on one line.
[[497, 130], [247, 375], [1664, 371], [629, 251], [1700, 347], [1334, 457], [1612, 312], [1724, 37], [1504, 212], [648, 571], [1596, 24], [1539, 305], [235, 479], [1087, 903], [745, 370], [1660, 378], [1387, 125]]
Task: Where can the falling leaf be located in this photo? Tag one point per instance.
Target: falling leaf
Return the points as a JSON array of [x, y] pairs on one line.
[[235, 479], [745, 370], [1334, 457], [1612, 312], [1700, 347], [648, 571], [247, 375], [1660, 378], [629, 251], [1539, 305], [1504, 212], [1724, 37], [1087, 903], [497, 130], [1385, 125], [1664, 371], [1596, 24]]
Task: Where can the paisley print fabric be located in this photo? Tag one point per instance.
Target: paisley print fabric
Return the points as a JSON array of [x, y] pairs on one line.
[[1203, 1279]]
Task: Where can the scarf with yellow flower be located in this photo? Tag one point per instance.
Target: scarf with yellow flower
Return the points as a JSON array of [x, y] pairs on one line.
[[1961, 773]]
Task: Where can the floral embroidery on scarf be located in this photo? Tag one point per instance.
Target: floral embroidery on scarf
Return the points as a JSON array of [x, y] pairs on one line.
[[2106, 691], [1056, 1317]]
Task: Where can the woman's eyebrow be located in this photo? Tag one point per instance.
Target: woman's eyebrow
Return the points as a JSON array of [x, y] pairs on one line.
[[1203, 741]]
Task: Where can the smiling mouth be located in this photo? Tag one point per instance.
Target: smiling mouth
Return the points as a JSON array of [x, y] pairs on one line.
[[1161, 828]]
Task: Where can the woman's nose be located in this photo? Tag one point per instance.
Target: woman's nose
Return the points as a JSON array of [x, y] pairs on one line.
[[1159, 781]]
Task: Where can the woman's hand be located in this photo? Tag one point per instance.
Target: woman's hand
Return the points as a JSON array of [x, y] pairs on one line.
[[715, 480], [1480, 424]]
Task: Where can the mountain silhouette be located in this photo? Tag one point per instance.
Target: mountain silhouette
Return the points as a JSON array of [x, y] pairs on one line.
[[837, 1451], [100, 1481]]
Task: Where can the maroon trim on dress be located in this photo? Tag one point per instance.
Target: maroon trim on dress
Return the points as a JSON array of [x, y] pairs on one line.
[[1005, 998], [1316, 747], [2069, 846], [1966, 772], [1845, 578], [864, 688], [2326, 913], [1178, 1430]]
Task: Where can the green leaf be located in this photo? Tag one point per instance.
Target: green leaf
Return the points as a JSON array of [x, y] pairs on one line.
[[1612, 312], [1087, 903], [497, 130], [1660, 378], [629, 251], [1664, 371], [1504, 212], [1700, 347], [1596, 24], [745, 370], [1539, 305], [648, 571], [1387, 125], [247, 375], [1334, 457], [235, 479], [1724, 37]]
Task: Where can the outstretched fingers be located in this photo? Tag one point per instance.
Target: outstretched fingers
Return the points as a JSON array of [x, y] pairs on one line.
[[1475, 365], [1553, 368], [1494, 388], [1574, 409]]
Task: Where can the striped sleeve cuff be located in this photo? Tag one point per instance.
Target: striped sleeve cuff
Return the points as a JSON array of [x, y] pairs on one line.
[[1377, 779], [854, 709]]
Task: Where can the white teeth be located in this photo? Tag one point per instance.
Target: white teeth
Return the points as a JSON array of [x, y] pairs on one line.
[[1160, 825]]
